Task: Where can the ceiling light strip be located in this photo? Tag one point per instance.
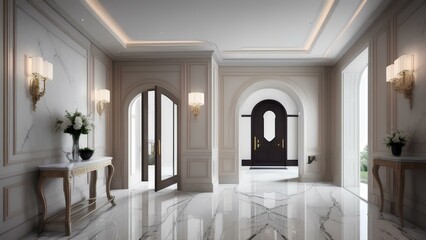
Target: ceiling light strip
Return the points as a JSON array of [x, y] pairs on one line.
[[108, 21], [105, 18], [319, 23], [357, 11]]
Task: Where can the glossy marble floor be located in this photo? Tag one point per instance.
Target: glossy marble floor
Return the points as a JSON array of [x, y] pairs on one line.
[[268, 204]]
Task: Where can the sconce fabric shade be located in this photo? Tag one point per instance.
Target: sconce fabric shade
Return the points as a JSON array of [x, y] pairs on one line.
[[196, 99], [403, 64], [37, 66], [41, 68], [47, 70], [390, 77], [103, 95]]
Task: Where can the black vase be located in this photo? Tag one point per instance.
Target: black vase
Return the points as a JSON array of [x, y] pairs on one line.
[[86, 154], [396, 149]]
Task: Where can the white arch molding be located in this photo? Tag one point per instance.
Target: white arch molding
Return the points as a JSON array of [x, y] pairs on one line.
[[288, 87]]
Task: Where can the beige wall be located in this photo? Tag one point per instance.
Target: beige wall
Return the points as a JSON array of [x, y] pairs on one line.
[[29, 138], [399, 30]]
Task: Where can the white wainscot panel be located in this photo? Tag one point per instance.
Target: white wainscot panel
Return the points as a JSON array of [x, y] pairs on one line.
[[198, 168], [228, 166]]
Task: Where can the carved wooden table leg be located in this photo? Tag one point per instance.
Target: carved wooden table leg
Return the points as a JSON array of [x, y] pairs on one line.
[[42, 198], [93, 180], [108, 185], [67, 193], [376, 176], [400, 182]]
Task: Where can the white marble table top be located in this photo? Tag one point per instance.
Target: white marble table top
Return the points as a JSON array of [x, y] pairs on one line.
[[403, 159], [73, 165]]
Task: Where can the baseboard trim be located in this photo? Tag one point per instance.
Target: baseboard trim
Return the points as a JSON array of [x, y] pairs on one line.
[[198, 187]]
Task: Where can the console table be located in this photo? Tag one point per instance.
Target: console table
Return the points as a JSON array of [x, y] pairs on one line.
[[399, 165], [67, 171]]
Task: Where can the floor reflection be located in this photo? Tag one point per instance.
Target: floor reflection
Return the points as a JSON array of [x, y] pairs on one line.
[[263, 206]]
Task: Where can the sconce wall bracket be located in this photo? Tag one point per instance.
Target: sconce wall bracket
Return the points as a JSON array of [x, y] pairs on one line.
[[195, 110], [35, 90], [100, 107], [405, 86]]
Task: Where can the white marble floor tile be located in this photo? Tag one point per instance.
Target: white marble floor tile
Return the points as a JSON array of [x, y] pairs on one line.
[[261, 207]]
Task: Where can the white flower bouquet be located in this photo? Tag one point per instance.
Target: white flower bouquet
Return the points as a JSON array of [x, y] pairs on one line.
[[75, 124], [397, 137]]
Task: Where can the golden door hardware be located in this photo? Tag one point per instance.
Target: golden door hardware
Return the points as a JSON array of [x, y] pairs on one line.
[[159, 147], [258, 144], [282, 143], [254, 143]]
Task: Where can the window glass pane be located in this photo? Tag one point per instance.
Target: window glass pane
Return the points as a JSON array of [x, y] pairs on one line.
[[269, 125], [135, 135], [175, 140], [151, 129], [167, 139]]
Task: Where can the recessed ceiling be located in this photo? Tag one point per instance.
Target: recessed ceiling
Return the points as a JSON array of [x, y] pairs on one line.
[[311, 31]]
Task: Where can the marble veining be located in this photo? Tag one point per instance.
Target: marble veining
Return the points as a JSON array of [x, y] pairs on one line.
[[261, 209]]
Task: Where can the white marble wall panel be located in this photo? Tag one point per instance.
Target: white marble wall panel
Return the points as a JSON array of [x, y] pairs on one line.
[[67, 91], [102, 78], [33, 29]]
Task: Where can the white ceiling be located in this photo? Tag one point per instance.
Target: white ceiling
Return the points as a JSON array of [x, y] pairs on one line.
[[298, 32]]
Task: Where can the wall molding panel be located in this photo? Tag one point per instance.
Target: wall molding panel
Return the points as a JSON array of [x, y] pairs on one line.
[[32, 28]]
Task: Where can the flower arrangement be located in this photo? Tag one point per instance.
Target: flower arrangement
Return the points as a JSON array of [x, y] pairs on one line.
[[396, 137], [75, 124]]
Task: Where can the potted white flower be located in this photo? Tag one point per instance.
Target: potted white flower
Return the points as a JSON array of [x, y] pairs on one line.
[[395, 141], [75, 124]]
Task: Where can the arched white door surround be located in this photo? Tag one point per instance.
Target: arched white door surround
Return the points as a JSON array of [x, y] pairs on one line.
[[130, 95], [352, 124], [303, 90]]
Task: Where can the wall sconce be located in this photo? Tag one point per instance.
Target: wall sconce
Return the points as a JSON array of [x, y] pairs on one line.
[[102, 97], [195, 100], [400, 74], [38, 69]]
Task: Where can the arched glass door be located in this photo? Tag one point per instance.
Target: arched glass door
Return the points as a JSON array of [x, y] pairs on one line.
[[153, 138], [166, 139]]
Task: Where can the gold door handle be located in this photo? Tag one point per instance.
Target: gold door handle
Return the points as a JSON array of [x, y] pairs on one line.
[[282, 143], [159, 147], [254, 143]]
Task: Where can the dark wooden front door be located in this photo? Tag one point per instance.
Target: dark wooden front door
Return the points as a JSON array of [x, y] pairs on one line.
[[269, 134]]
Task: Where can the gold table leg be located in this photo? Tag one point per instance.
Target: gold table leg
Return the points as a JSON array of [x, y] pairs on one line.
[[93, 180], [400, 182], [376, 176], [108, 185]]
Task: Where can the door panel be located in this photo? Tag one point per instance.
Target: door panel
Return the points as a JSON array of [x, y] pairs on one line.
[[269, 134], [145, 146], [166, 157]]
